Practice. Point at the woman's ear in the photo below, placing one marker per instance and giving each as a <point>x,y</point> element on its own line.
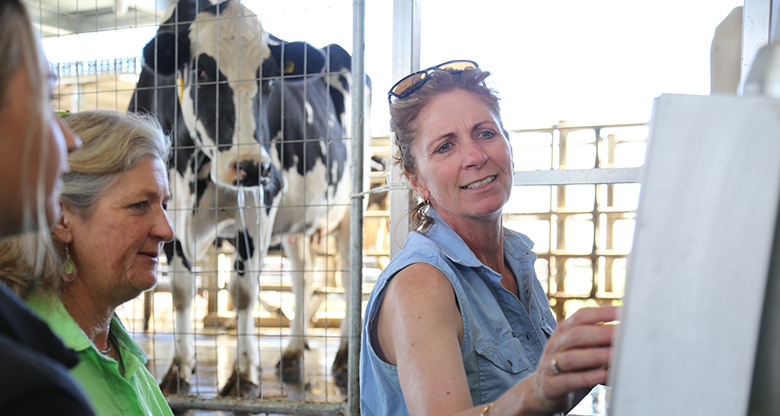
<point>62,231</point>
<point>419,186</point>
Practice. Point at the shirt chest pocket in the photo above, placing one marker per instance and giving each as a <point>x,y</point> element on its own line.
<point>547,328</point>
<point>504,352</point>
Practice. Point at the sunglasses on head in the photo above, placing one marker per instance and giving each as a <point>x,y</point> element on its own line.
<point>413,82</point>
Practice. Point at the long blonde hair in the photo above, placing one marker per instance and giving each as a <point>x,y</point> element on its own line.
<point>113,143</point>
<point>21,52</point>
<point>30,261</point>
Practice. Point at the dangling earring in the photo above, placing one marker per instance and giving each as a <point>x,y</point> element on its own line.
<point>69,267</point>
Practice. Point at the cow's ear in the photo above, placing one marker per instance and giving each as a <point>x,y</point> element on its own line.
<point>338,58</point>
<point>297,58</point>
<point>167,52</point>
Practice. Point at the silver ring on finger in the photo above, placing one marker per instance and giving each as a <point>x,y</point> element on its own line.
<point>554,364</point>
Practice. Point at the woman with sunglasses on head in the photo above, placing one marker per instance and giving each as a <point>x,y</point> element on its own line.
<point>34,144</point>
<point>458,323</point>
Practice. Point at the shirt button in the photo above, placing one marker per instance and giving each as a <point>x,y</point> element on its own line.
<point>513,334</point>
<point>527,337</point>
<point>509,362</point>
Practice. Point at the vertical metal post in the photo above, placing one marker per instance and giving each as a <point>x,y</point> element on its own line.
<point>356,204</point>
<point>406,59</point>
<point>755,31</point>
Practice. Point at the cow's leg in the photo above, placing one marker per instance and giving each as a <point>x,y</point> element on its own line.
<point>147,308</point>
<point>339,367</point>
<point>298,251</point>
<point>243,288</point>
<point>317,265</point>
<point>177,380</point>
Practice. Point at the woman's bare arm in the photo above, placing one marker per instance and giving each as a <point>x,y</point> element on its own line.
<point>419,329</point>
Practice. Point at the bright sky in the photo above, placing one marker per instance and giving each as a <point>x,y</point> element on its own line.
<point>587,62</point>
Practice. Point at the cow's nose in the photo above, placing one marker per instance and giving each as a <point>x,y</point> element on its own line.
<point>247,173</point>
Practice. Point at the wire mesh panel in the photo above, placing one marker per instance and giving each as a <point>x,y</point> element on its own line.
<point>258,195</point>
<point>250,300</point>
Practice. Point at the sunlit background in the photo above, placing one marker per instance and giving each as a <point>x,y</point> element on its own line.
<point>581,66</point>
<point>587,62</point>
<point>555,63</point>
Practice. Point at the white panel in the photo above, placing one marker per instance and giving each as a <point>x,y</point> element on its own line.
<point>697,273</point>
<point>756,17</point>
<point>406,59</point>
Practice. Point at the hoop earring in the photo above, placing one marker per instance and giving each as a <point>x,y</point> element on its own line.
<point>69,267</point>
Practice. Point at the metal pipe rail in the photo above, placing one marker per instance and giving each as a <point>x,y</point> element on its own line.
<point>577,176</point>
<point>180,402</point>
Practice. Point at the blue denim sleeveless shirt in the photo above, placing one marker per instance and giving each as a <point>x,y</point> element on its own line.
<point>502,338</point>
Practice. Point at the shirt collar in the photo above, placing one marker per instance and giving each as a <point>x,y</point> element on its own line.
<point>121,336</point>
<point>453,246</point>
<point>51,309</point>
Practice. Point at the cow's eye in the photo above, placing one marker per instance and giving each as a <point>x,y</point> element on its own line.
<point>200,74</point>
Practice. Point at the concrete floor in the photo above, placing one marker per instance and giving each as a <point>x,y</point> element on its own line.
<point>215,348</point>
<point>215,352</point>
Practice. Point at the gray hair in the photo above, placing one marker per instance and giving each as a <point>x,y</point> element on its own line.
<point>113,143</point>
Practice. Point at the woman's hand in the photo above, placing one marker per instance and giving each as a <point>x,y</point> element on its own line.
<point>576,356</point>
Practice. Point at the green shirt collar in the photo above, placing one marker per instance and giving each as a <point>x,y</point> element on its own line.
<point>131,391</point>
<point>50,308</point>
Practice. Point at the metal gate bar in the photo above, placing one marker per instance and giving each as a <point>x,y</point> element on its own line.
<point>180,402</point>
<point>355,290</point>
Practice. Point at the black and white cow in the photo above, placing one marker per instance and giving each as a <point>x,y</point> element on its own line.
<point>259,158</point>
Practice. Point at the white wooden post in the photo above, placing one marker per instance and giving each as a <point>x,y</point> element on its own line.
<point>406,59</point>
<point>755,31</point>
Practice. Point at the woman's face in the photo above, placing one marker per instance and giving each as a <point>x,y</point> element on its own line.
<point>116,249</point>
<point>464,162</point>
<point>20,162</point>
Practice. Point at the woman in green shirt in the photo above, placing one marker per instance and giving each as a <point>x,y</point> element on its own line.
<point>112,231</point>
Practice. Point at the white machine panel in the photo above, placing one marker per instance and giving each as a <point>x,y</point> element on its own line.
<point>698,269</point>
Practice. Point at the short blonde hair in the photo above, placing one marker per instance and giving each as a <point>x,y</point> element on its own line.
<point>113,143</point>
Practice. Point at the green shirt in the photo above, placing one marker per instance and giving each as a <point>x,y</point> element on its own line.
<point>129,390</point>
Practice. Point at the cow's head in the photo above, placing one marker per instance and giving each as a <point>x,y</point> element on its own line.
<point>339,70</point>
<point>222,58</point>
